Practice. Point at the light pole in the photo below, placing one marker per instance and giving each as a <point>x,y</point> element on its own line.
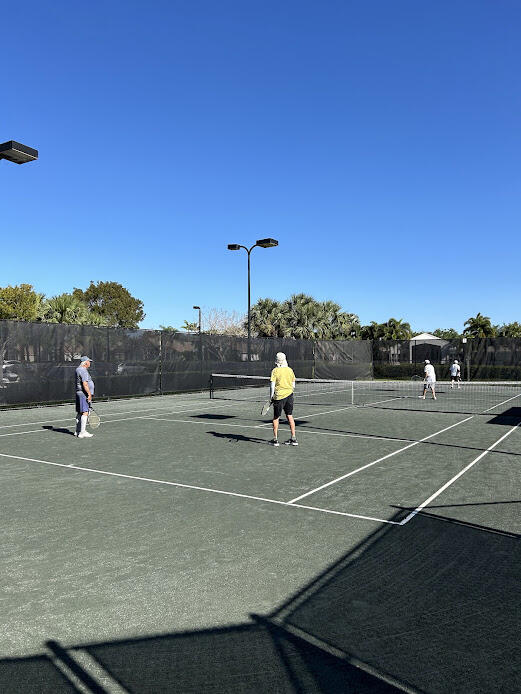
<point>262,243</point>
<point>17,153</point>
<point>199,309</point>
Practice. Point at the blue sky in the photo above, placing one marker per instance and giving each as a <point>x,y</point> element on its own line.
<point>378,141</point>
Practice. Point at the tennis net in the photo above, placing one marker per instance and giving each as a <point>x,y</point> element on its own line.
<point>494,397</point>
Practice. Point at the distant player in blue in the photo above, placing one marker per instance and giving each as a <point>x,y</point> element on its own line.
<point>84,393</point>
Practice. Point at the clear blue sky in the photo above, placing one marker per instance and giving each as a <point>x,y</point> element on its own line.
<point>378,141</point>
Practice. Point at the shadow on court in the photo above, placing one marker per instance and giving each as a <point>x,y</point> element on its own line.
<point>236,438</point>
<point>59,430</point>
<point>245,658</point>
<point>211,415</point>
<point>434,603</point>
<point>432,606</point>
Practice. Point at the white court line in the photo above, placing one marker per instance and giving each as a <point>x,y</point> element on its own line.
<point>202,489</point>
<point>389,455</point>
<point>104,414</point>
<point>259,426</point>
<point>347,407</point>
<point>502,403</point>
<point>109,414</point>
<point>462,472</point>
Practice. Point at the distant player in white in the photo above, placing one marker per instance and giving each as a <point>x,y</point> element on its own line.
<point>430,379</point>
<point>455,374</point>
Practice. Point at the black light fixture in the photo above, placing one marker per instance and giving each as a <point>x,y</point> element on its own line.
<point>267,243</point>
<point>17,153</point>
<point>262,243</point>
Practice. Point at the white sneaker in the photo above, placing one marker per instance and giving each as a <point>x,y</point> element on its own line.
<point>85,435</point>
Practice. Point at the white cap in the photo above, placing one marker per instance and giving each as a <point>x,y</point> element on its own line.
<point>455,361</point>
<point>280,359</point>
<point>427,361</point>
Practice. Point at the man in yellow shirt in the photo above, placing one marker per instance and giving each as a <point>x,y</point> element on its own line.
<point>282,385</point>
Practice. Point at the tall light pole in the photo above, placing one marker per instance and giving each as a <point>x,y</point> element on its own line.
<point>262,243</point>
<point>198,308</point>
<point>17,153</point>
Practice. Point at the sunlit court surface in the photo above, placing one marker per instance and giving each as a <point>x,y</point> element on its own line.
<point>384,543</point>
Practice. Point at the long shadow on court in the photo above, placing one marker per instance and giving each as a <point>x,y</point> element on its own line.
<point>243,659</point>
<point>58,430</point>
<point>434,603</point>
<point>431,606</point>
<point>238,438</point>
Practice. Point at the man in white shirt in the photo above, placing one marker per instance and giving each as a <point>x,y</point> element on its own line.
<point>430,380</point>
<point>455,374</point>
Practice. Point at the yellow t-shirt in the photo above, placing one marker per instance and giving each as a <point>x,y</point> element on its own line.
<point>283,378</point>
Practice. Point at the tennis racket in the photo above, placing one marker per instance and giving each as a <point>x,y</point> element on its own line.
<point>266,407</point>
<point>94,419</point>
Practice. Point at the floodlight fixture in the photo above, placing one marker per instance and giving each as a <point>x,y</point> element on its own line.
<point>17,153</point>
<point>267,243</point>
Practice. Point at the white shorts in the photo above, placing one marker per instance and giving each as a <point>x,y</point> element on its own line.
<point>429,383</point>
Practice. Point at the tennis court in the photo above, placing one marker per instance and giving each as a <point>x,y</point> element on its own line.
<point>178,516</point>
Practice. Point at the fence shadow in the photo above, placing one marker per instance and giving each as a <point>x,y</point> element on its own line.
<point>435,603</point>
<point>431,606</point>
<point>243,659</point>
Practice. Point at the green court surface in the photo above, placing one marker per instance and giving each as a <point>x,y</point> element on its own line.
<point>179,518</point>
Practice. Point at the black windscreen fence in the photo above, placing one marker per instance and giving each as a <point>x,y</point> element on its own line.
<point>480,359</point>
<point>38,360</point>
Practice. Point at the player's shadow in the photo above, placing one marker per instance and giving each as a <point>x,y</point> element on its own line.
<point>212,416</point>
<point>236,438</point>
<point>59,430</point>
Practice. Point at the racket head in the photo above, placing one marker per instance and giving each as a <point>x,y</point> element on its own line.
<point>94,419</point>
<point>266,407</point>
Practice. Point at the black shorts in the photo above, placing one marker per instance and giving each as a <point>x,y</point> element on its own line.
<point>285,404</point>
<point>457,377</point>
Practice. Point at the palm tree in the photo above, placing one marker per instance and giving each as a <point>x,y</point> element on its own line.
<point>397,330</point>
<point>479,326</point>
<point>65,308</point>
<point>509,330</point>
<point>267,318</point>
<point>373,331</point>
<point>190,327</point>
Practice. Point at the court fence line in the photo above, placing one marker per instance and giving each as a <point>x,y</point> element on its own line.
<point>37,360</point>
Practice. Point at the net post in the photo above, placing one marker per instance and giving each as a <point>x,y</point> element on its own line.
<point>352,392</point>
<point>211,386</point>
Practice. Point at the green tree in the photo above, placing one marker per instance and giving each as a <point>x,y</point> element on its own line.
<point>509,330</point>
<point>113,302</point>
<point>393,329</point>
<point>66,308</point>
<point>397,329</point>
<point>168,329</point>
<point>20,302</point>
<point>267,318</point>
<point>373,331</point>
<point>446,333</point>
<point>190,327</point>
<point>479,326</point>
